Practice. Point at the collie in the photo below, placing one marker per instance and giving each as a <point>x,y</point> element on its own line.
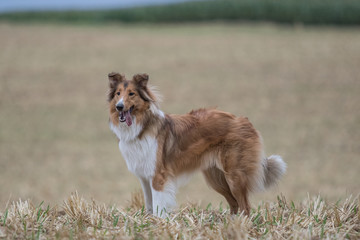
<point>163,149</point>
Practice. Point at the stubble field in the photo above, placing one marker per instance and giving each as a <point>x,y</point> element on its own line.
<point>299,87</point>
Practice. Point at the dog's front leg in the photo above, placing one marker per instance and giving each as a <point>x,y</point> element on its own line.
<point>146,187</point>
<point>164,200</point>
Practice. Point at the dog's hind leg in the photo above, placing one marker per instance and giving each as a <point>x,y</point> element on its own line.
<point>216,179</point>
<point>239,188</point>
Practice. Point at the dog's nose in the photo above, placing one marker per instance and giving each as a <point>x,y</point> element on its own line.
<point>119,107</point>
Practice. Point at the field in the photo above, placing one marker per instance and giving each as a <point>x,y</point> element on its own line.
<point>299,87</point>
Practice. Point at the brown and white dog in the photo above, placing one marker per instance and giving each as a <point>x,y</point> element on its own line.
<point>162,150</point>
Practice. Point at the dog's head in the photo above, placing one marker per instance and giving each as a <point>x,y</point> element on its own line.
<point>128,98</point>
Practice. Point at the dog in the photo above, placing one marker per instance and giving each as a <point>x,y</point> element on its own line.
<point>164,149</point>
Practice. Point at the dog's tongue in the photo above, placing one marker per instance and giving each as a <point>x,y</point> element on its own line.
<point>128,118</point>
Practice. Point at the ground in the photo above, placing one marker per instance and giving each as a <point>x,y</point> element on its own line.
<point>312,218</point>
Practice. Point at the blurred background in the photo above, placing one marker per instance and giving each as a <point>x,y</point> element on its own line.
<point>292,67</point>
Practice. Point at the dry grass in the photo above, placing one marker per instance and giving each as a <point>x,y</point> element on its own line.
<point>299,86</point>
<point>312,218</point>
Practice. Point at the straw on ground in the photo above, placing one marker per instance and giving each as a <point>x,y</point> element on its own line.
<point>80,218</point>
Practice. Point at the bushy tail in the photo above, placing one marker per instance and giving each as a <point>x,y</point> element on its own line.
<point>274,167</point>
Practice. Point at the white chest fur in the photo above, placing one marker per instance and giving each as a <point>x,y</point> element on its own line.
<point>139,154</point>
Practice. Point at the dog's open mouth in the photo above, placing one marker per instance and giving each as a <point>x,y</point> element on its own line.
<point>125,116</point>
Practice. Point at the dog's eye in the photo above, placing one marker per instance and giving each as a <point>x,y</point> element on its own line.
<point>131,94</point>
<point>118,93</point>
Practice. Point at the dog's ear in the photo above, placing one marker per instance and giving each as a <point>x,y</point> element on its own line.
<point>141,79</point>
<point>115,79</point>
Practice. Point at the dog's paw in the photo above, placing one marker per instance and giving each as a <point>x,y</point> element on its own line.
<point>149,211</point>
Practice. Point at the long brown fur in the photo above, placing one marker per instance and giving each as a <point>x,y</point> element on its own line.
<point>188,138</point>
